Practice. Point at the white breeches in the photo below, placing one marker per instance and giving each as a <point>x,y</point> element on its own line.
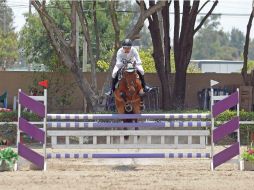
<point>117,67</point>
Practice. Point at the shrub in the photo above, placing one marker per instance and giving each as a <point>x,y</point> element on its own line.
<point>8,156</point>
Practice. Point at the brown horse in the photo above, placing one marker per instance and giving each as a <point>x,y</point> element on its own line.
<point>129,91</point>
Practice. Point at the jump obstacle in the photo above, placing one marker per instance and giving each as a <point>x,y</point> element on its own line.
<point>193,133</point>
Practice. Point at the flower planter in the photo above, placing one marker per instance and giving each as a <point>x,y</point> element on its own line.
<point>248,165</point>
<point>4,167</point>
<point>8,159</point>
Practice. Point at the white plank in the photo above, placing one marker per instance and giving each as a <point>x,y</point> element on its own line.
<point>203,140</point>
<point>67,140</point>
<point>176,140</point>
<point>219,97</point>
<point>189,139</point>
<point>149,139</point>
<point>38,98</point>
<point>128,146</point>
<point>128,132</point>
<point>95,140</point>
<point>108,139</point>
<point>135,141</point>
<point>81,140</point>
<point>121,139</point>
<point>162,139</point>
<point>53,140</point>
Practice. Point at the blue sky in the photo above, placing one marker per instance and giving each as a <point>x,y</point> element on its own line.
<point>225,6</point>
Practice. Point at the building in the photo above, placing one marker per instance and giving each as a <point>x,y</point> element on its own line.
<point>218,66</point>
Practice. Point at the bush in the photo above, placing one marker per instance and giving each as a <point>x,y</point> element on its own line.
<point>244,116</point>
<point>8,116</point>
<point>102,65</point>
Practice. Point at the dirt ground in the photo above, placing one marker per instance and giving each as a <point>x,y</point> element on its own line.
<point>129,174</point>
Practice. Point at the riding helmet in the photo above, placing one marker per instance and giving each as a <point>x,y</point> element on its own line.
<point>127,43</point>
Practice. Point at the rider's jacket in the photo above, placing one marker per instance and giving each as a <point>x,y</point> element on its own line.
<point>123,58</point>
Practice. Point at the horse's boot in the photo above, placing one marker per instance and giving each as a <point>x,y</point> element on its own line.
<point>145,87</point>
<point>113,84</point>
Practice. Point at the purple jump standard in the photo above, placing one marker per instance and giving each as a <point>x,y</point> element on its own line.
<point>226,129</point>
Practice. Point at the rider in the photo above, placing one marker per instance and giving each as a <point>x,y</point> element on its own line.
<point>126,54</point>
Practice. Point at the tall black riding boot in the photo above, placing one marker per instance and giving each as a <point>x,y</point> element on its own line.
<point>113,84</point>
<point>145,87</point>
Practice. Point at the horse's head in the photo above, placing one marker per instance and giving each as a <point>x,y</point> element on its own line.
<point>130,78</point>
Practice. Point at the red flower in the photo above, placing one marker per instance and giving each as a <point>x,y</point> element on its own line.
<point>251,151</point>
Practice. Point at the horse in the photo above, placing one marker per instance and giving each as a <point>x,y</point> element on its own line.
<point>129,91</point>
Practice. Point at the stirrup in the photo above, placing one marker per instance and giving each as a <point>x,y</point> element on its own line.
<point>109,93</point>
<point>147,89</point>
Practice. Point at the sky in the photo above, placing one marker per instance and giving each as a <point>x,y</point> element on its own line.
<point>239,8</point>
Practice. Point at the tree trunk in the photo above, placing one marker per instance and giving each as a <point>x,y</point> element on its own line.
<point>159,59</point>
<point>167,47</point>
<point>96,32</point>
<point>179,90</point>
<point>84,24</point>
<point>113,15</point>
<point>246,49</point>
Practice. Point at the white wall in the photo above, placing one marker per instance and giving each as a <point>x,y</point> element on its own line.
<point>221,67</point>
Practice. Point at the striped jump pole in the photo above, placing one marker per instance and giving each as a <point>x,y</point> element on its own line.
<point>127,155</point>
<point>128,116</point>
<point>66,124</point>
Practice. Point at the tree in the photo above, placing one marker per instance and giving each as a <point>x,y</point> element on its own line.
<point>161,50</point>
<point>8,37</point>
<point>237,40</point>
<point>251,50</point>
<point>183,43</point>
<point>212,43</point>
<point>35,44</point>
<point>246,47</point>
<point>66,50</point>
<point>6,17</point>
<point>8,49</point>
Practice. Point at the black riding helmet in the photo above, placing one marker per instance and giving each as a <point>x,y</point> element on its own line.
<point>127,43</point>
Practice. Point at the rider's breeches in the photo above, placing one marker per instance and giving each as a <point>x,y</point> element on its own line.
<point>117,67</point>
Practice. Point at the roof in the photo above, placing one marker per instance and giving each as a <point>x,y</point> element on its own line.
<point>216,61</point>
